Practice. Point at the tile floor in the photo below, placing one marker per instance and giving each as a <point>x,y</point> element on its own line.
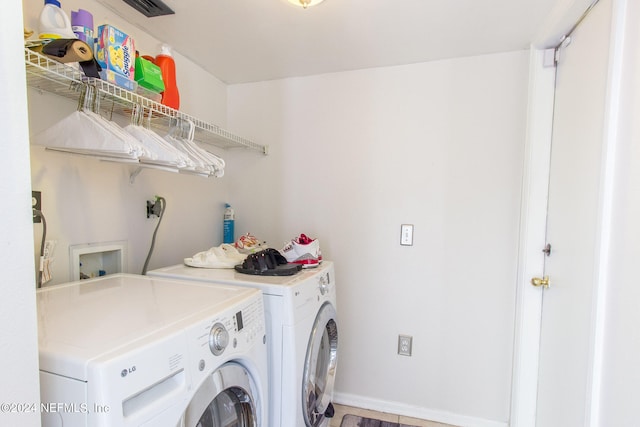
<point>342,410</point>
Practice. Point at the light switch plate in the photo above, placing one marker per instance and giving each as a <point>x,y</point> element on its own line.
<point>406,234</point>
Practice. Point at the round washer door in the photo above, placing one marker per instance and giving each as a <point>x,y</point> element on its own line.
<point>320,367</point>
<point>226,398</point>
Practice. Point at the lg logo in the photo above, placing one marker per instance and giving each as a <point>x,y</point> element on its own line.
<point>128,371</point>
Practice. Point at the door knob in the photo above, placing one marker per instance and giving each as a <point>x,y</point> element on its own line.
<point>544,282</point>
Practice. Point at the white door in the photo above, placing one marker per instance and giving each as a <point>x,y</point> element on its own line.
<point>573,224</point>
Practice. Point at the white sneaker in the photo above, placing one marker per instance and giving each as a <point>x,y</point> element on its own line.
<point>249,244</point>
<point>303,250</point>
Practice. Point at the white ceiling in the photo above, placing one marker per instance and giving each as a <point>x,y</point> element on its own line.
<point>242,41</point>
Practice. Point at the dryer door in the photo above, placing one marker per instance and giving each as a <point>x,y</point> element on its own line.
<point>320,368</point>
<point>226,398</point>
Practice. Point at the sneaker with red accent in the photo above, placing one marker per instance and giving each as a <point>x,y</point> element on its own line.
<point>303,250</point>
<point>248,244</point>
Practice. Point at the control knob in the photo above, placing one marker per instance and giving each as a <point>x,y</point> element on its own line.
<point>218,339</point>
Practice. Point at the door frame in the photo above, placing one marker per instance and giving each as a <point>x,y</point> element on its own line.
<point>533,213</point>
<point>534,210</point>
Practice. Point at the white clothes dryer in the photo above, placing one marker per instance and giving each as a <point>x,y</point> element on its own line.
<point>128,350</point>
<point>302,337</point>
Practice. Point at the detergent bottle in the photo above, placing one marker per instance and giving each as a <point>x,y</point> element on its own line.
<point>54,23</point>
<point>82,25</point>
<point>164,60</point>
<point>228,228</point>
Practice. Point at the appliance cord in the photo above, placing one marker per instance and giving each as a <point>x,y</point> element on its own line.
<point>163,205</point>
<point>37,213</point>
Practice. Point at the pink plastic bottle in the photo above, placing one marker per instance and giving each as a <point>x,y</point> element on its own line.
<point>164,60</point>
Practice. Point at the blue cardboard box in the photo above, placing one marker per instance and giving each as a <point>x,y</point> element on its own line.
<point>115,52</point>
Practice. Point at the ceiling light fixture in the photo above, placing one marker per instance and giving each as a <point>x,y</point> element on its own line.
<point>305,3</point>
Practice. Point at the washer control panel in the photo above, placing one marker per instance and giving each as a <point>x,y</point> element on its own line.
<point>233,331</point>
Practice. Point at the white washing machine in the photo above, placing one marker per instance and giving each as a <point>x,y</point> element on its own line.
<point>302,336</point>
<point>127,350</point>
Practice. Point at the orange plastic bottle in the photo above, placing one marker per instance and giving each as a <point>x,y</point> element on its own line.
<point>164,60</point>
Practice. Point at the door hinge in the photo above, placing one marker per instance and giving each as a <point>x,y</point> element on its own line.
<point>549,58</point>
<point>566,41</point>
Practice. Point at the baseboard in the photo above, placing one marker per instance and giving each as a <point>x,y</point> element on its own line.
<point>414,411</point>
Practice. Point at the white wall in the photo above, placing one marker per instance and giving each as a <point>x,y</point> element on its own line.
<point>353,156</point>
<point>458,125</point>
<point>87,201</point>
<point>18,347</point>
<point>619,394</point>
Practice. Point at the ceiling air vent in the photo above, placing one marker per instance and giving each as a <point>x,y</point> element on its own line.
<point>150,8</point>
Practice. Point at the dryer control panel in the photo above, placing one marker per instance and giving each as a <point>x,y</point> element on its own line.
<point>324,283</point>
<point>233,332</point>
<point>311,293</point>
<point>245,323</point>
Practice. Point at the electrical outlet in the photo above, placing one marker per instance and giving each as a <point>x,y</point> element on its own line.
<point>404,345</point>
<point>149,208</point>
<point>153,208</point>
<point>36,204</point>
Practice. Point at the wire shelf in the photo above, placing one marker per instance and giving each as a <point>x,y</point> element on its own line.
<point>50,76</point>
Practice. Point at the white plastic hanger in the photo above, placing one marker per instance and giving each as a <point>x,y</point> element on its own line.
<point>87,133</point>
